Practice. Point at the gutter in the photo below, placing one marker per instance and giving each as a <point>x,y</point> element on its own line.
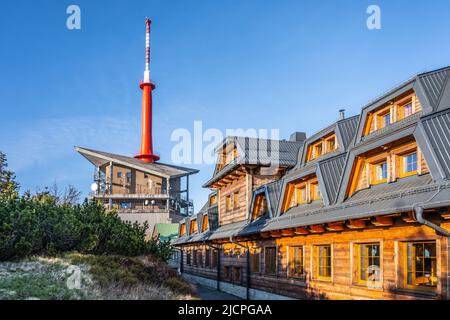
<point>248,266</point>
<point>418,213</point>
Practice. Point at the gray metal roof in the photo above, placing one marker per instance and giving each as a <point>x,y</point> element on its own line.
<point>437,130</point>
<point>255,151</point>
<point>272,192</point>
<point>391,198</point>
<point>330,174</point>
<point>430,128</point>
<point>99,158</point>
<point>433,84</point>
<point>345,131</point>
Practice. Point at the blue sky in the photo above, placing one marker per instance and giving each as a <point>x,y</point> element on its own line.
<point>288,65</point>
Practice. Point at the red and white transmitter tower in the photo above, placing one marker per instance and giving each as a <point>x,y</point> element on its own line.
<point>146,153</point>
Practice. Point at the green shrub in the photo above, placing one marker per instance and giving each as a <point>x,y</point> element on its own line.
<point>39,226</point>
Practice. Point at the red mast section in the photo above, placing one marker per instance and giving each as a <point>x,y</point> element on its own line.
<point>146,153</point>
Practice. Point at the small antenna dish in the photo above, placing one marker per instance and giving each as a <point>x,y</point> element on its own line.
<point>94,187</point>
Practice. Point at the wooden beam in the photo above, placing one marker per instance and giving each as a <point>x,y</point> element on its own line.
<point>317,228</point>
<point>336,226</point>
<point>288,232</point>
<point>275,233</point>
<point>445,213</point>
<point>265,235</point>
<point>382,221</point>
<point>301,231</point>
<point>356,224</point>
<point>409,217</point>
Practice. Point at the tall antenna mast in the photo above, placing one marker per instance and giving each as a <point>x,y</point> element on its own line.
<point>146,153</point>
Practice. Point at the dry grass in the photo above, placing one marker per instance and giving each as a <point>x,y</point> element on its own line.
<point>102,278</point>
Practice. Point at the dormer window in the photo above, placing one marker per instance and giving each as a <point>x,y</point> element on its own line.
<point>331,143</point>
<point>409,164</point>
<point>384,165</point>
<point>317,150</point>
<point>406,110</point>
<point>379,172</point>
<point>193,227</point>
<point>300,192</point>
<point>205,223</point>
<point>396,110</point>
<point>182,229</point>
<point>321,147</point>
<point>260,207</point>
<point>301,195</point>
<point>385,120</point>
<point>315,192</point>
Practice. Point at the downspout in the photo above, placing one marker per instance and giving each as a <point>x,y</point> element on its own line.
<point>419,217</point>
<point>418,210</point>
<point>248,266</point>
<point>218,262</point>
<point>418,213</point>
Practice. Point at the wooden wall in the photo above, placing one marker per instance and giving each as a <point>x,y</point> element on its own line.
<point>342,284</point>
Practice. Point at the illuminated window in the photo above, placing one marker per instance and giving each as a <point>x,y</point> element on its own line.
<point>331,144</point>
<point>421,265</point>
<point>301,195</point>
<point>368,263</point>
<point>295,262</point>
<point>410,163</point>
<point>205,223</point>
<point>182,229</point>
<point>213,200</point>
<point>270,260</point>
<point>317,150</point>
<point>407,109</point>
<point>315,191</point>
<point>386,120</point>
<point>381,172</point>
<point>259,207</point>
<point>193,227</point>
<point>323,262</point>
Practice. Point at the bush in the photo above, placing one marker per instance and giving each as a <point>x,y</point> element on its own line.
<point>40,226</point>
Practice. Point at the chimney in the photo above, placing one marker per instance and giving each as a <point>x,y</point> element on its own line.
<point>297,137</point>
<point>146,153</point>
<point>341,114</point>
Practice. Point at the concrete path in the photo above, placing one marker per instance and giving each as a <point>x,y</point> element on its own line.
<point>206,293</point>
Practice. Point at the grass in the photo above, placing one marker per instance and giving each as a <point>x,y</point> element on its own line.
<point>37,281</point>
<point>102,277</point>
